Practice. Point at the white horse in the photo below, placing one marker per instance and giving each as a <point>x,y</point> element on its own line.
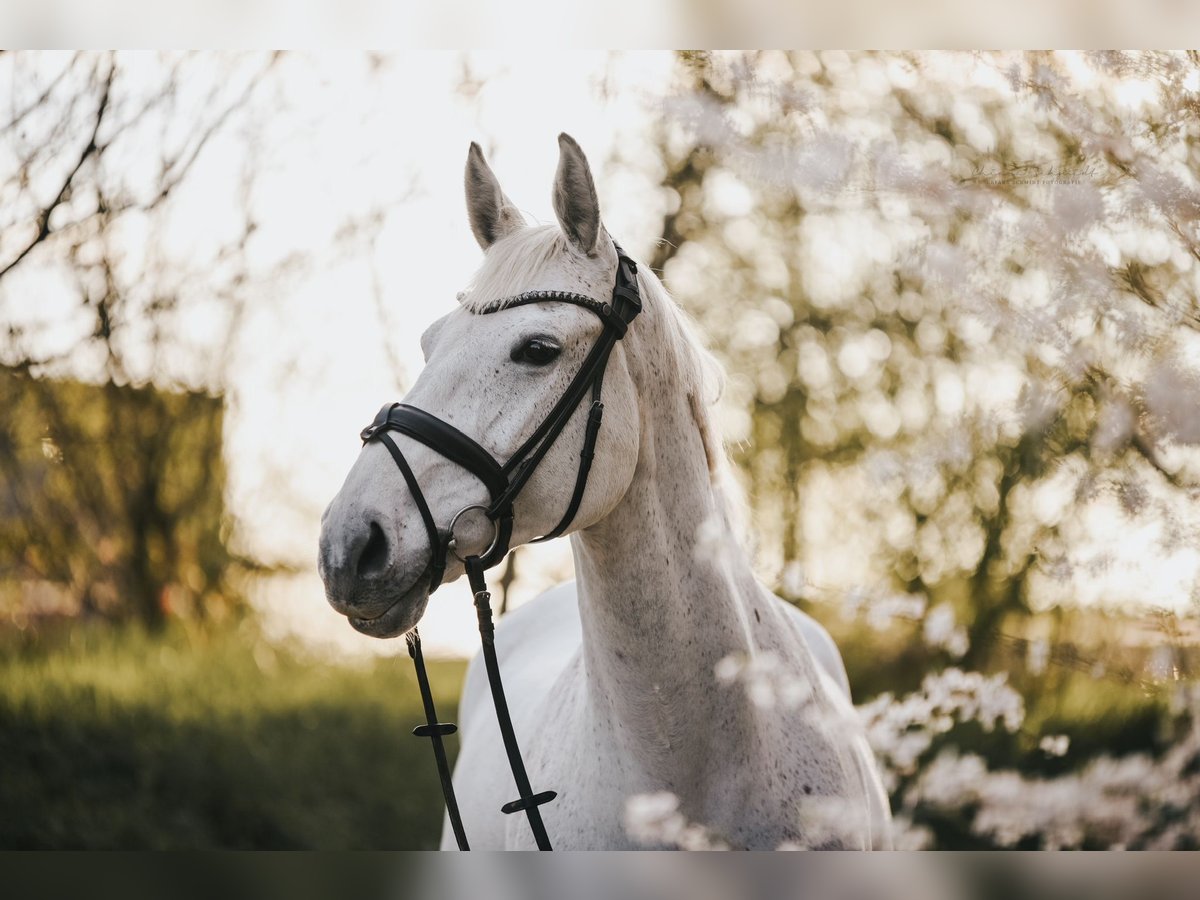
<point>613,679</point>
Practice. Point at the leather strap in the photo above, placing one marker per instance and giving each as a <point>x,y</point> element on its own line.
<point>437,553</point>
<point>595,416</point>
<point>528,801</point>
<point>435,731</point>
<point>522,463</point>
<point>604,310</point>
<point>442,437</point>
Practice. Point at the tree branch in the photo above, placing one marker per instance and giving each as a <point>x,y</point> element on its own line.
<point>93,147</point>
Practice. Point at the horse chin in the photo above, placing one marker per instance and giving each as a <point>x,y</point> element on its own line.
<point>402,616</point>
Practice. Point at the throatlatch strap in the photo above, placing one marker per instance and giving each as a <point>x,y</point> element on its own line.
<point>595,416</point>
<point>536,444</point>
<point>435,731</point>
<point>528,800</point>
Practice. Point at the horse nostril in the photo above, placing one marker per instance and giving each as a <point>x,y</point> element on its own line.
<point>374,557</point>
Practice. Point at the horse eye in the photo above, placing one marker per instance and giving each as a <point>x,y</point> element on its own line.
<point>536,351</point>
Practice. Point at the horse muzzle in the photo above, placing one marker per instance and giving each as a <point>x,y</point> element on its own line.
<point>367,577</point>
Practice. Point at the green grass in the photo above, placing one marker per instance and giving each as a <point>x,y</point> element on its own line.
<point>120,739</point>
<point>115,738</point>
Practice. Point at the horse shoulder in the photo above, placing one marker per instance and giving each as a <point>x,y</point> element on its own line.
<point>825,652</point>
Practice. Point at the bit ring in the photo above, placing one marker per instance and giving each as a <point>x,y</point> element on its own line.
<point>452,546</point>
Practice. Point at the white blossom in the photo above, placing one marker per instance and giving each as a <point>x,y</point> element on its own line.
<point>902,731</point>
<point>1115,425</point>
<point>1130,802</point>
<point>1172,396</point>
<point>1037,655</point>
<point>942,630</point>
<point>793,581</point>
<point>767,681</point>
<point>1055,744</point>
<point>712,541</point>
<point>654,819</point>
<point>881,610</point>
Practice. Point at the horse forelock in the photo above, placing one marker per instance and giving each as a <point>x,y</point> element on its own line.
<point>515,263</point>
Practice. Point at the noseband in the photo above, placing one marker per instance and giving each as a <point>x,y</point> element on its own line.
<point>504,481</point>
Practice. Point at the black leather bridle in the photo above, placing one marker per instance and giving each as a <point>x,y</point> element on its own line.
<point>504,481</point>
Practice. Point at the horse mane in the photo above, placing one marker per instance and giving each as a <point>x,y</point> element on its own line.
<point>527,256</point>
<point>703,378</point>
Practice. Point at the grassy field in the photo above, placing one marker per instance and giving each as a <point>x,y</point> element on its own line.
<point>115,738</point>
<point>119,739</point>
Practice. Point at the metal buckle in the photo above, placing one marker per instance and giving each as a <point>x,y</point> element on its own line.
<point>452,546</point>
<point>379,422</point>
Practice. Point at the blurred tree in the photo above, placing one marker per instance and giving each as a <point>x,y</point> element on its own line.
<point>138,476</point>
<point>116,351</point>
<point>958,294</point>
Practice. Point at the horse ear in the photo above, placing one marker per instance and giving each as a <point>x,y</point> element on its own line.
<point>491,213</point>
<point>575,201</point>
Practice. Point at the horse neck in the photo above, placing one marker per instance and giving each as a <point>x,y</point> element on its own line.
<point>657,614</point>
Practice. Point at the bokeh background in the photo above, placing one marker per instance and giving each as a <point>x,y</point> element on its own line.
<point>955,295</point>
